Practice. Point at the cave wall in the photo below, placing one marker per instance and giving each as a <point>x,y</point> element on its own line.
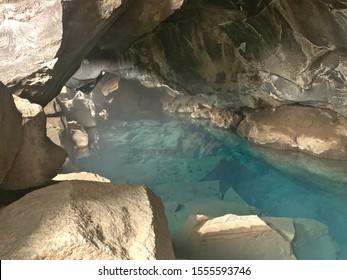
<point>230,55</point>
<point>246,53</point>
<point>253,53</point>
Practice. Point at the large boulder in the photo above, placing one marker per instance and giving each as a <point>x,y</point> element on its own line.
<point>85,220</point>
<point>10,131</point>
<point>38,158</point>
<point>319,132</point>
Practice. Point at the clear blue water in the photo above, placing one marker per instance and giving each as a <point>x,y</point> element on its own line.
<point>279,184</point>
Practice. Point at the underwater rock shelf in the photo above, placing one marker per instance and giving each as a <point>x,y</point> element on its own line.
<point>200,170</point>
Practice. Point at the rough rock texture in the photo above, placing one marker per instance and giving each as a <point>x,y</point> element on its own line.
<point>85,220</point>
<point>11,134</point>
<point>233,237</point>
<point>225,119</point>
<point>253,53</point>
<point>30,37</point>
<point>38,158</point>
<point>191,53</point>
<point>43,43</point>
<point>241,53</point>
<point>202,107</point>
<point>316,131</point>
<point>141,17</point>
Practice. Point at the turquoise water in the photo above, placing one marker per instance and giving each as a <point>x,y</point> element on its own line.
<point>193,167</point>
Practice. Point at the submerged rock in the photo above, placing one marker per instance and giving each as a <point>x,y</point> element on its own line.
<point>313,241</point>
<point>192,191</point>
<point>319,132</point>
<point>252,237</point>
<point>84,221</point>
<point>232,237</point>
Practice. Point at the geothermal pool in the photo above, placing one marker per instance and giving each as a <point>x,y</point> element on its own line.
<point>198,169</point>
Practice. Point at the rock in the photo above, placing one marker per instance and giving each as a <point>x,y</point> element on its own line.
<point>79,138</point>
<point>310,239</point>
<point>226,171</point>
<point>192,144</point>
<point>285,226</point>
<point>131,100</point>
<point>79,135</point>
<point>102,93</point>
<point>202,198</point>
<point>56,130</point>
<point>201,113</point>
<point>225,119</point>
<point>192,191</point>
<point>45,42</point>
<point>31,34</point>
<point>322,133</point>
<point>52,108</point>
<point>140,18</point>
<point>37,68</point>
<point>84,220</point>
<point>232,237</point>
<point>304,166</point>
<point>238,54</point>
<point>10,131</point>
<point>215,207</point>
<point>38,159</point>
<point>313,241</point>
<point>176,217</point>
<point>232,196</point>
<point>206,63</point>
<point>85,176</point>
<point>80,108</point>
<point>202,107</point>
<point>186,104</point>
<point>252,53</point>
<point>27,109</point>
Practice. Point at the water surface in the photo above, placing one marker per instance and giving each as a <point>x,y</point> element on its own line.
<point>194,167</point>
